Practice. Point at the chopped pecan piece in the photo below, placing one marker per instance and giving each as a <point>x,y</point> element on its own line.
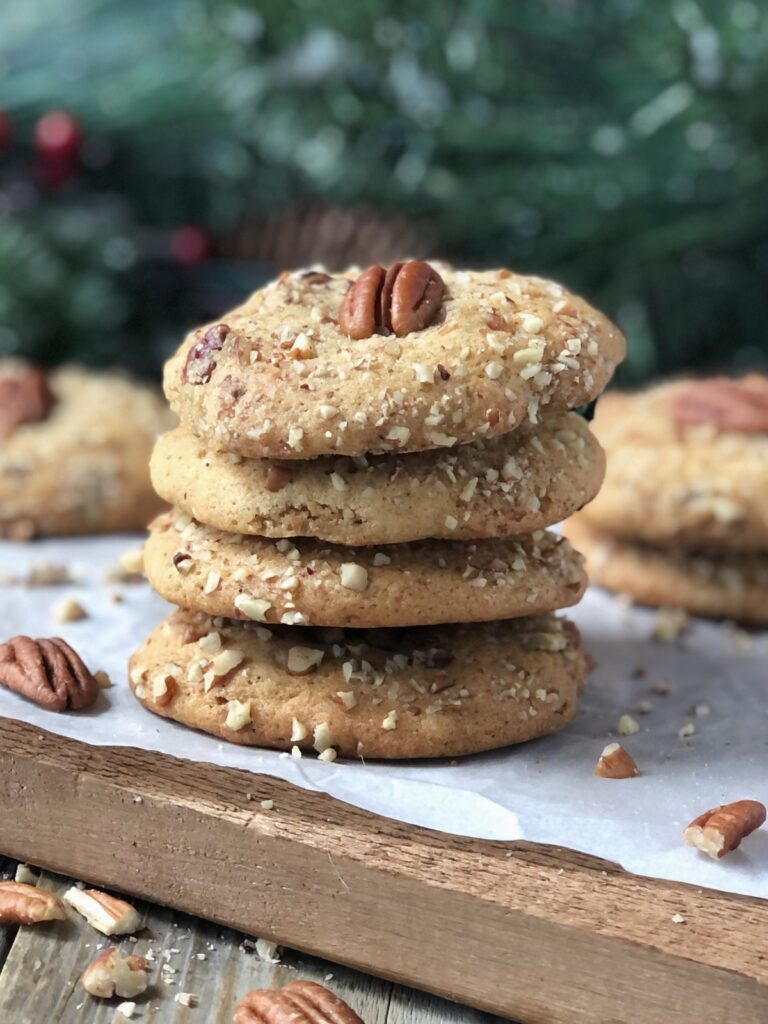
<point>24,398</point>
<point>201,360</point>
<point>25,904</point>
<point>720,830</point>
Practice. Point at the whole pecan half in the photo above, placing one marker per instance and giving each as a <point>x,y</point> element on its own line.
<point>298,1002</point>
<point>201,359</point>
<point>728,405</point>
<point>24,398</point>
<point>47,672</point>
<point>400,300</point>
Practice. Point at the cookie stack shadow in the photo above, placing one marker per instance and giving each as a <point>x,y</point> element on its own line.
<point>361,484</point>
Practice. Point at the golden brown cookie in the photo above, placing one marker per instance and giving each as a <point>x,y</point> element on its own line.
<point>309,582</point>
<point>518,483</point>
<point>74,449</point>
<point>281,377</point>
<point>687,465</point>
<point>718,586</point>
<point>406,693</point>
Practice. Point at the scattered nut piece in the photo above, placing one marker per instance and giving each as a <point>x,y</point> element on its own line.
<point>267,951</point>
<point>297,1001</point>
<point>112,974</point>
<point>25,904</point>
<point>670,625</point>
<point>720,830</point>
<point>26,875</point>
<point>107,914</point>
<point>627,726</point>
<point>686,730</point>
<point>49,574</point>
<point>102,679</point>
<point>616,763</point>
<point>186,999</point>
<point>126,1010</point>
<point>678,919</point>
<point>268,805</point>
<point>69,610</point>
<point>132,562</point>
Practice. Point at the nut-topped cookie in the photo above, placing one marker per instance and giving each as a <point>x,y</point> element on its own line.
<point>401,693</point>
<point>518,483</point>
<point>687,465</point>
<point>74,447</point>
<point>309,582</point>
<point>409,358</point>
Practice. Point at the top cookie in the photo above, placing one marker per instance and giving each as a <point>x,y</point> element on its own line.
<point>687,465</point>
<point>74,448</point>
<point>316,364</point>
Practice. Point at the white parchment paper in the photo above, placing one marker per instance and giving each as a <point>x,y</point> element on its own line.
<point>543,791</point>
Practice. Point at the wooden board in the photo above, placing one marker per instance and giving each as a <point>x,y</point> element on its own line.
<point>539,934</point>
<point>41,977</point>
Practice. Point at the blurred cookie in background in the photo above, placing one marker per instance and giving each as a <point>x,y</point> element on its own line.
<point>682,518</point>
<point>74,451</point>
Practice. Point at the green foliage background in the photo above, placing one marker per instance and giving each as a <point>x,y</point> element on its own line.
<point>620,146</point>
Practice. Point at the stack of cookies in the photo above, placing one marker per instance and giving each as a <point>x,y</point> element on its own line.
<point>682,520</point>
<point>361,482</point>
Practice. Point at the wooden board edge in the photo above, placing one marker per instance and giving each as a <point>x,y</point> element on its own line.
<point>475,922</point>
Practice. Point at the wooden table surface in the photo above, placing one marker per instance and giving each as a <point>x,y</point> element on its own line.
<point>41,967</point>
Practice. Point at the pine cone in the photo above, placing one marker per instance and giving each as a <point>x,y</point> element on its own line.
<point>334,236</point>
<point>47,672</point>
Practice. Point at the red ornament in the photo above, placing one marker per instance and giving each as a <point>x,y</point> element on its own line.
<point>57,135</point>
<point>5,130</point>
<point>57,141</point>
<point>190,244</point>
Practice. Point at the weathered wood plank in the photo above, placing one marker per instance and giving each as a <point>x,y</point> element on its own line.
<point>541,928</point>
<point>41,979</point>
<point>7,870</point>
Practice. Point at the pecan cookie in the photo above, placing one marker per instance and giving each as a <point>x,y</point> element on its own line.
<point>687,465</point>
<point>721,585</point>
<point>415,357</point>
<point>74,451</point>
<point>303,581</point>
<point>524,481</point>
<point>406,693</point>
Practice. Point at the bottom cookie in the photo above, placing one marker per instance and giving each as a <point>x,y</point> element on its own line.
<point>715,586</point>
<point>383,693</point>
